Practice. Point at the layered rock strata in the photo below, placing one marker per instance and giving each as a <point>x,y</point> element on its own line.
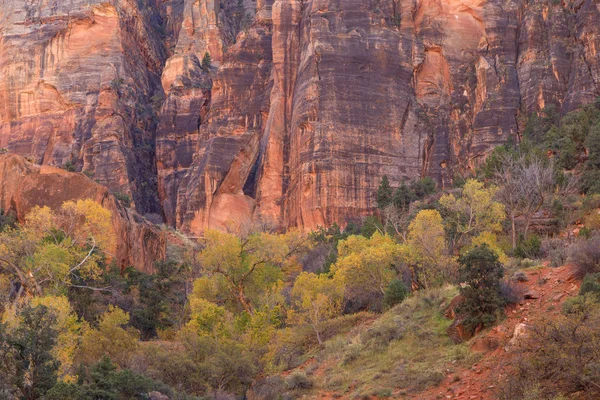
<point>305,106</point>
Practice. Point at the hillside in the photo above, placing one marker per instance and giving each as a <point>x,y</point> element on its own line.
<point>407,354</point>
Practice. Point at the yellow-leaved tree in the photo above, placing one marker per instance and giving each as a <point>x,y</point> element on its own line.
<point>316,299</point>
<point>53,249</point>
<point>425,251</point>
<point>238,271</point>
<point>112,337</point>
<point>366,265</point>
<point>68,328</point>
<point>473,212</point>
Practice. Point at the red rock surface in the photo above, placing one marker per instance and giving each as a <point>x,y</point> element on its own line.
<point>24,185</point>
<point>307,104</point>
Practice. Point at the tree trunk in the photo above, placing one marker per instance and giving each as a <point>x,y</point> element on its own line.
<point>514,231</point>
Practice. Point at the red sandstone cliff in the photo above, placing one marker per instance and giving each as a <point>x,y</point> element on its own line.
<point>306,105</point>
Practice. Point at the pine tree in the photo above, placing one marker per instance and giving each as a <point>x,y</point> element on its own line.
<point>206,61</point>
<point>481,273</point>
<point>384,193</point>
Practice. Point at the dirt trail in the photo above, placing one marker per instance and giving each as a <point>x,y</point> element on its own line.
<point>546,289</point>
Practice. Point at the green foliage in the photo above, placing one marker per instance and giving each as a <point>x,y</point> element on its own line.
<point>111,338</point>
<point>117,83</point>
<point>591,174</point>
<point>425,252</point>
<point>384,193</point>
<point>482,298</point>
<point>529,247</point>
<point>27,367</point>
<point>471,213</point>
<point>104,381</point>
<point>206,61</point>
<point>366,266</point>
<point>123,198</point>
<point>590,284</point>
<point>316,299</point>
<point>69,166</point>
<point>7,219</point>
<point>395,293</point>
<point>52,247</point>
<point>160,298</point>
<point>423,187</point>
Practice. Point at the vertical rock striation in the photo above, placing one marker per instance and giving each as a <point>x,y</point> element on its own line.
<point>306,105</point>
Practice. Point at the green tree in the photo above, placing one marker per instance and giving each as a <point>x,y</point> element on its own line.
<point>395,293</point>
<point>480,271</point>
<point>112,338</point>
<point>26,362</point>
<point>239,271</point>
<point>206,61</point>
<point>423,187</point>
<point>384,193</point>
<point>403,196</point>
<point>104,381</point>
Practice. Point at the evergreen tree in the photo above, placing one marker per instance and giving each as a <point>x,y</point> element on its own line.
<point>482,299</point>
<point>403,197</point>
<point>26,363</point>
<point>384,193</point>
<point>591,175</point>
<point>206,61</point>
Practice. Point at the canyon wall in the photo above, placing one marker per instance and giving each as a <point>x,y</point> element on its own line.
<point>304,106</point>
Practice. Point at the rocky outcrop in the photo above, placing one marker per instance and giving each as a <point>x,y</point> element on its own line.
<point>24,185</point>
<point>306,105</point>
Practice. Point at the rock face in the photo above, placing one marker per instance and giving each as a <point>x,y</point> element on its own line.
<point>306,105</point>
<point>76,87</point>
<point>24,185</point>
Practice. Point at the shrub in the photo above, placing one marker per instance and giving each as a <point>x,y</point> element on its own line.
<point>269,388</point>
<point>206,61</point>
<point>590,284</point>
<point>395,293</point>
<point>69,166</point>
<point>511,293</point>
<point>520,276</point>
<point>352,353</point>
<point>586,256</point>
<point>124,199</point>
<point>560,357</point>
<point>556,250</point>
<point>298,381</point>
<point>528,247</point>
<point>383,332</point>
<point>592,221</point>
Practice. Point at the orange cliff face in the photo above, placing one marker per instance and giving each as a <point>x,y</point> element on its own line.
<point>306,105</point>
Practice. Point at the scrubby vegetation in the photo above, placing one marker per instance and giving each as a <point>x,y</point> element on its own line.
<point>359,310</point>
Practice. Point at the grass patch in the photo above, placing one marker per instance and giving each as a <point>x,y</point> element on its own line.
<point>405,349</point>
